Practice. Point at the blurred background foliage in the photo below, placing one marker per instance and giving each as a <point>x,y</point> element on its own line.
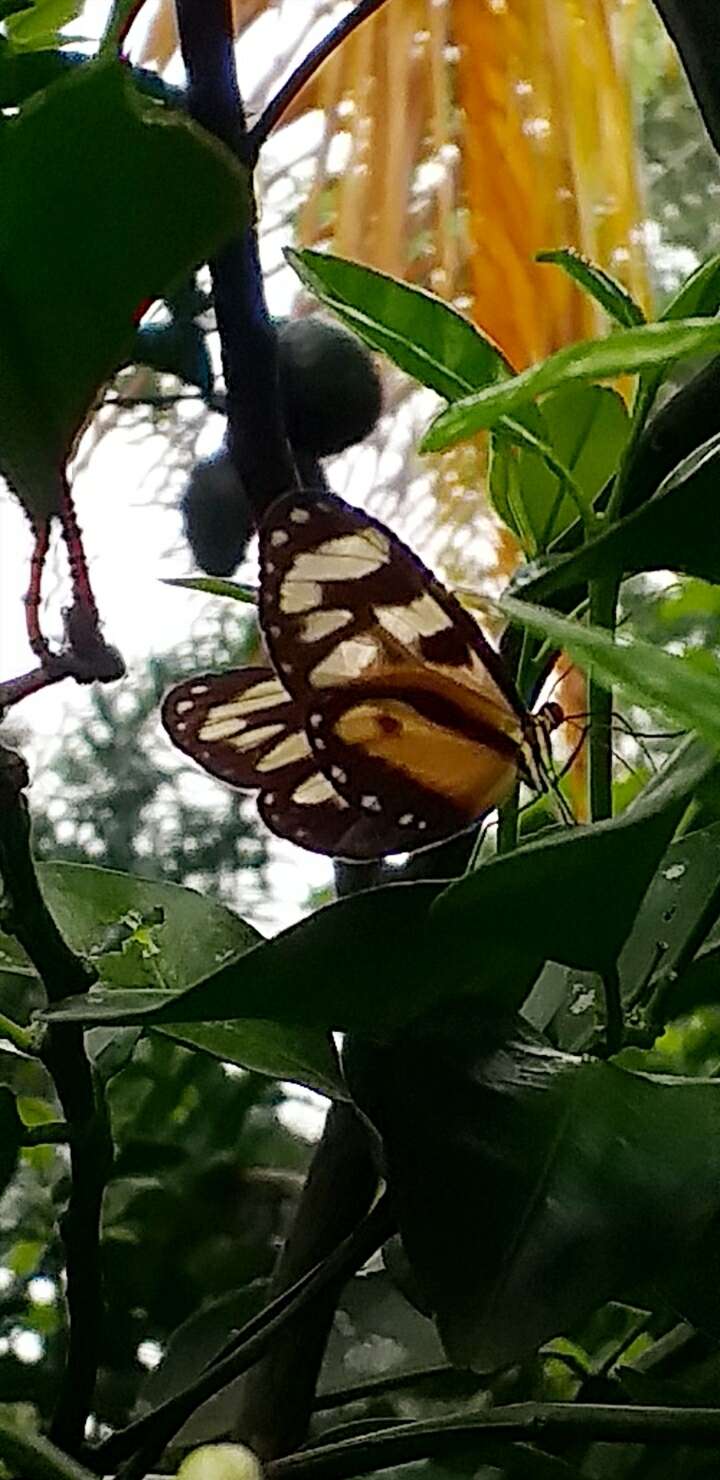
<point>447,143</point>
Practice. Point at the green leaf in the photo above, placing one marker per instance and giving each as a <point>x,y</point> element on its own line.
<point>89,904</point>
<point>121,233</point>
<point>678,529</point>
<point>586,428</point>
<point>531,1186</point>
<point>477,916</point>
<point>215,586</point>
<point>699,294</point>
<point>677,686</point>
<point>37,26</point>
<point>11,1134</point>
<point>378,959</point>
<point>425,337</point>
<point>106,915</point>
<point>301,1055</point>
<point>598,284</point>
<point>626,352</point>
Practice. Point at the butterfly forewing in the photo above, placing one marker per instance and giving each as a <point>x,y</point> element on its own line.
<point>341,598</point>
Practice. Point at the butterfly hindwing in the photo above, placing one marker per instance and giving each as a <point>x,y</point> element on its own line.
<point>243,727</point>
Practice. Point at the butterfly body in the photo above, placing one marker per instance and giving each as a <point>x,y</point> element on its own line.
<point>387,722</point>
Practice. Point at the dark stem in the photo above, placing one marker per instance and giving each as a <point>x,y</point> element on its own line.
<point>614,1024</point>
<point>376,1387</point>
<point>38,643</point>
<point>248,342</point>
<point>278,1397</point>
<point>486,1439</point>
<point>63,974</point>
<point>145,1439</point>
<point>307,68</point>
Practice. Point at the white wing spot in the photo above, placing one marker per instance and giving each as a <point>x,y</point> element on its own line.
<point>200,688</point>
<point>293,748</point>
<point>406,820</point>
<point>371,804</point>
<point>183,705</point>
<point>298,595</point>
<point>313,791</point>
<point>338,774</point>
<point>274,631</point>
<point>180,726</point>
<point>322,623</point>
<point>279,537</point>
<point>299,516</point>
<point>346,660</point>
<point>252,737</point>
<point>269,798</point>
<point>269,568</point>
<point>315,720</point>
<point>221,728</point>
<point>422,825</point>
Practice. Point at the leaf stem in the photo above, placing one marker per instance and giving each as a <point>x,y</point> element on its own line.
<point>21,1038</point>
<point>614,1023</point>
<point>248,341</point>
<point>63,1054</point>
<point>29,1454</point>
<point>306,70</point>
<point>145,1439</point>
<point>559,1424</point>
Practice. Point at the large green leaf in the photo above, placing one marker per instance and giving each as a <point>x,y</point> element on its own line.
<point>587,427</point>
<point>427,338</point>
<point>141,930</point>
<point>136,930</point>
<point>105,201</point>
<point>377,959</point>
<point>678,529</point>
<point>301,1055</point>
<point>625,352</point>
<point>531,1186</point>
<point>599,285</point>
<point>685,690</point>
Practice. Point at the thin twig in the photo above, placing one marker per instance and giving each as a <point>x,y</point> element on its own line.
<point>63,1053</point>
<point>26,1453</point>
<point>376,1387</point>
<point>307,69</point>
<point>145,1439</point>
<point>614,1024</point>
<point>556,1423</point>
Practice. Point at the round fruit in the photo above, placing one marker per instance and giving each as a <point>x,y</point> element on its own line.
<point>220,1462</point>
<point>216,515</point>
<point>331,391</point>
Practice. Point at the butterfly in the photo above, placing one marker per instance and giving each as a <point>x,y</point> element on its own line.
<point>387,722</point>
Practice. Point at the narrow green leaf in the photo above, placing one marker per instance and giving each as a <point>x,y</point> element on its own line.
<point>598,284</point>
<point>626,352</point>
<point>675,685</point>
<point>38,25</point>
<point>678,529</point>
<point>698,295</point>
<point>215,586</point>
<point>425,337</point>
<point>585,428</point>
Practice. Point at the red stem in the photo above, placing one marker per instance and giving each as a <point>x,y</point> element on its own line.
<point>38,642</point>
